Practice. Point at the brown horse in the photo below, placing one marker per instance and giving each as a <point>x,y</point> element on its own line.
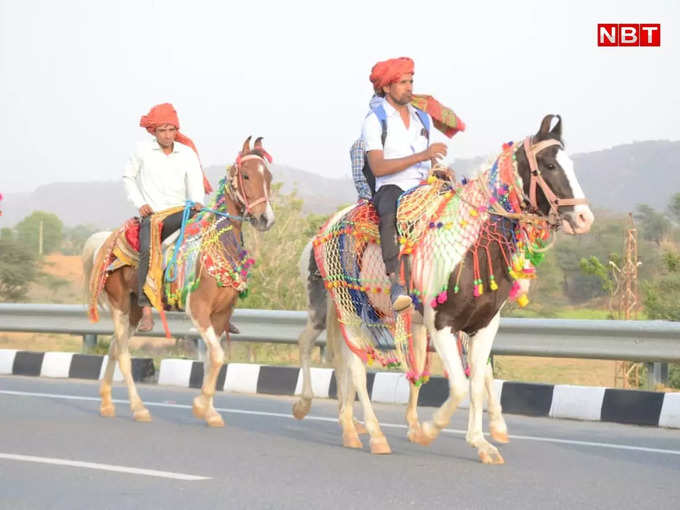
<point>245,196</point>
<point>541,179</point>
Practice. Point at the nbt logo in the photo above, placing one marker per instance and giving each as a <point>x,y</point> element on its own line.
<point>629,34</point>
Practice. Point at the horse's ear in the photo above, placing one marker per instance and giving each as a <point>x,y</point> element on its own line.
<point>544,130</point>
<point>556,131</point>
<point>258,143</point>
<point>246,146</point>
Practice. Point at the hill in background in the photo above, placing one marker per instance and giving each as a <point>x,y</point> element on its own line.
<point>615,179</point>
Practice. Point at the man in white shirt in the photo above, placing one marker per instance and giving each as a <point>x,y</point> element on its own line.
<point>398,163</point>
<point>161,174</point>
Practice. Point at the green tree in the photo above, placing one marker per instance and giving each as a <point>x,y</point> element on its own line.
<point>6,234</point>
<point>18,268</point>
<point>593,266</point>
<point>674,208</point>
<point>661,296</point>
<point>274,281</point>
<point>654,226</point>
<point>74,238</point>
<point>28,231</point>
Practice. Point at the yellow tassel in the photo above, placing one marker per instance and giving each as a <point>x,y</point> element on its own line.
<point>480,288</point>
<point>523,301</point>
<point>493,285</point>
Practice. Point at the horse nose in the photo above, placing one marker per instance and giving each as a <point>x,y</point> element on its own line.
<point>583,220</point>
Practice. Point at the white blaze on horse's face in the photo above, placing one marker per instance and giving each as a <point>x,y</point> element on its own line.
<point>581,218</point>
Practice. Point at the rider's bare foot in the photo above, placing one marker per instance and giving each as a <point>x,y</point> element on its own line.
<point>233,329</point>
<point>146,324</point>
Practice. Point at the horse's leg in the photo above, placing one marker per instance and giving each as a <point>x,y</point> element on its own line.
<point>379,444</point>
<point>211,328</point>
<point>341,357</point>
<point>316,323</point>
<point>122,329</point>
<point>445,343</point>
<point>497,426</point>
<point>107,408</point>
<point>480,348</point>
<point>420,352</point>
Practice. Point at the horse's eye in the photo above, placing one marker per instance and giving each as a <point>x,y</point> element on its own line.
<point>551,166</point>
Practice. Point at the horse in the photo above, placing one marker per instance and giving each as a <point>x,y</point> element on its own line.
<point>244,194</point>
<point>512,207</point>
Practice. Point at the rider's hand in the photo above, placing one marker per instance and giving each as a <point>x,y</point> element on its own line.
<point>198,206</point>
<point>436,151</point>
<point>445,174</point>
<point>145,210</point>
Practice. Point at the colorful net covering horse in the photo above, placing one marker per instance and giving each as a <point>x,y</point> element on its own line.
<point>208,236</point>
<point>438,224</point>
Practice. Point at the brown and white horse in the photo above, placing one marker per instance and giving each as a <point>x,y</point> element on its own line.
<point>548,188</point>
<point>209,306</point>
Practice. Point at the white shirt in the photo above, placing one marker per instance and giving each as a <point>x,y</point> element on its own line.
<point>400,142</point>
<point>163,180</point>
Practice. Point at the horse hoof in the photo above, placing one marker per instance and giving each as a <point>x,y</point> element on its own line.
<point>142,416</point>
<point>423,435</point>
<point>491,458</point>
<point>360,428</point>
<point>107,411</point>
<point>500,437</point>
<point>351,441</point>
<point>379,446</point>
<point>215,420</point>
<point>301,408</point>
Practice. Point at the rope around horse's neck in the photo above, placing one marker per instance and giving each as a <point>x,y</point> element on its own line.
<point>171,270</point>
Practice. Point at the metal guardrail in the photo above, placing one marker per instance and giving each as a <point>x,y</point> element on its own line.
<point>651,341</point>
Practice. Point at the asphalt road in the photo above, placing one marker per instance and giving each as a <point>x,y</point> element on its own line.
<point>57,452</point>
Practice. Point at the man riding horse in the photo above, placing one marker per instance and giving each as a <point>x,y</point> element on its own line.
<point>396,141</point>
<point>161,175</point>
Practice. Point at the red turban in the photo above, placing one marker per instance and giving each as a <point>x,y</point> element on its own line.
<point>390,71</point>
<point>165,114</point>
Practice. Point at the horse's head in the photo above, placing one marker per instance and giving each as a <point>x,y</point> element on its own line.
<point>251,181</point>
<point>549,182</point>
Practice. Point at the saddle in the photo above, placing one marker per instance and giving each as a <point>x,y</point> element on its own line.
<point>173,269</point>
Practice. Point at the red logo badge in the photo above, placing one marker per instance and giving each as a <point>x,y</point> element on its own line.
<point>629,34</point>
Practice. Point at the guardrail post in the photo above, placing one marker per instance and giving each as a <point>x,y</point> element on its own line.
<point>322,354</point>
<point>657,374</point>
<point>89,342</point>
<point>201,349</point>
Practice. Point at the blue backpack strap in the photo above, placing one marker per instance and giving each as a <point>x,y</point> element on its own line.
<point>382,118</point>
<point>425,120</point>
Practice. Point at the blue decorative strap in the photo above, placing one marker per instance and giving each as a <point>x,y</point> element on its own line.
<point>171,270</point>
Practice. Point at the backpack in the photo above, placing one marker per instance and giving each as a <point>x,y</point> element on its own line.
<point>382,117</point>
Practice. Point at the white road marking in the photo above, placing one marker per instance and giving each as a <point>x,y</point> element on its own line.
<point>335,420</point>
<point>102,467</point>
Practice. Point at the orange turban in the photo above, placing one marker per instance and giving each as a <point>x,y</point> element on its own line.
<point>389,71</point>
<point>165,114</point>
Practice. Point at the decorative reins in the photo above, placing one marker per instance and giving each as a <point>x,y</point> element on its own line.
<point>237,187</point>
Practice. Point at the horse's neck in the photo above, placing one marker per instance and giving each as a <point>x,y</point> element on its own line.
<point>233,208</point>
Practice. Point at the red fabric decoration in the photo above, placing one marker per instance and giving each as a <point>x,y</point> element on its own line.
<point>390,71</point>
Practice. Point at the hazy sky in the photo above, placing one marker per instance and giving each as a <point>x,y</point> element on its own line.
<point>75,76</point>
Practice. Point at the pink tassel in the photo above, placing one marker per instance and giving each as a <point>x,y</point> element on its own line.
<point>442,297</point>
<point>475,291</point>
<point>433,303</point>
<point>514,291</point>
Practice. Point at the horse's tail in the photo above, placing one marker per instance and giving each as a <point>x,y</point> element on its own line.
<point>316,323</point>
<point>91,250</point>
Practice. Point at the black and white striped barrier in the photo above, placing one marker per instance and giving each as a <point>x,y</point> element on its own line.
<point>68,365</point>
<point>555,401</point>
